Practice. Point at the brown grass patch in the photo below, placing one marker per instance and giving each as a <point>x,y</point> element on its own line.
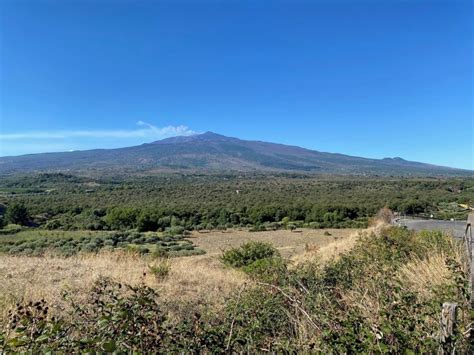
<point>191,280</point>
<point>195,279</point>
<point>288,243</point>
<point>422,276</point>
<point>338,244</point>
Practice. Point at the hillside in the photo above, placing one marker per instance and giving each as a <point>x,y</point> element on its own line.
<point>213,152</point>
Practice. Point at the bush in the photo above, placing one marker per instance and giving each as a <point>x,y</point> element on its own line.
<point>17,214</point>
<point>53,224</point>
<point>247,253</point>
<point>159,252</point>
<point>175,230</point>
<point>160,269</point>
<point>261,318</point>
<point>258,228</point>
<point>271,270</point>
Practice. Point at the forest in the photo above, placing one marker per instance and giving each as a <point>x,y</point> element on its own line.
<point>211,201</point>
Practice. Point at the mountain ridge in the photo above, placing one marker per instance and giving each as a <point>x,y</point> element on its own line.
<point>211,151</point>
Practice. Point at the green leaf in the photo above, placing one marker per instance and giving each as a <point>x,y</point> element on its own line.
<point>109,346</point>
<point>17,342</point>
<point>102,322</point>
<point>42,338</point>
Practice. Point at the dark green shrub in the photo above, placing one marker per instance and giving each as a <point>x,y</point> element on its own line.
<point>257,228</point>
<point>175,230</point>
<point>270,270</point>
<point>17,214</point>
<point>247,253</point>
<point>260,317</point>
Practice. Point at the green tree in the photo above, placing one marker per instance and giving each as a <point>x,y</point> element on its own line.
<point>122,218</point>
<point>17,214</point>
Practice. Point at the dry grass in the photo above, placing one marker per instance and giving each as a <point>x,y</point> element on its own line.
<point>339,244</point>
<point>366,296</point>
<point>288,243</point>
<point>192,280</point>
<point>422,276</point>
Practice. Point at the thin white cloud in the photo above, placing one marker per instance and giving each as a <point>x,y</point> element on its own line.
<point>147,131</point>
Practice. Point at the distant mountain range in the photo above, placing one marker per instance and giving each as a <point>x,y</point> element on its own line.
<point>211,152</point>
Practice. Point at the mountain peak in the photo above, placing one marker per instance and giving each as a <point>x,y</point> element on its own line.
<point>395,159</point>
<point>199,137</point>
<point>210,134</point>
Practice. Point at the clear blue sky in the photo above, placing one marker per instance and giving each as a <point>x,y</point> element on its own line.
<point>368,78</point>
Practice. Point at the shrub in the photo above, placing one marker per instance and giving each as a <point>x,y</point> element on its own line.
<point>247,253</point>
<point>17,214</point>
<point>175,230</point>
<point>159,252</point>
<point>260,318</point>
<point>271,270</point>
<point>114,318</point>
<point>258,228</point>
<point>314,225</point>
<point>109,242</point>
<point>160,269</point>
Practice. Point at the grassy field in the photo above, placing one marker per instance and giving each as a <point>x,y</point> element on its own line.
<point>287,242</point>
<point>193,278</point>
<point>375,290</point>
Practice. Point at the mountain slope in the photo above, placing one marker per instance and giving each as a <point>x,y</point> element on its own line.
<point>213,152</point>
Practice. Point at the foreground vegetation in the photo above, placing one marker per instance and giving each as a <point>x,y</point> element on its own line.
<point>261,202</point>
<point>383,295</point>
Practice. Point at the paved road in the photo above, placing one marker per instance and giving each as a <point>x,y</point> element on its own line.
<point>457,228</point>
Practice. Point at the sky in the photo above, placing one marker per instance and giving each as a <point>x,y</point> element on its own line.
<point>366,78</point>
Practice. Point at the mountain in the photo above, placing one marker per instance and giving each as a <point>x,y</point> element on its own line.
<point>214,152</point>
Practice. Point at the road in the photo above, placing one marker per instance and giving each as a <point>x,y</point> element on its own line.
<point>457,228</point>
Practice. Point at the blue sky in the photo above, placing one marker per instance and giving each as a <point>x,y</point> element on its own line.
<point>367,78</point>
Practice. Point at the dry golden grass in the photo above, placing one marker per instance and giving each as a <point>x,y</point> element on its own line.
<point>192,280</point>
<point>420,276</point>
<point>199,279</point>
<point>423,275</point>
<point>287,242</point>
<point>339,244</point>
